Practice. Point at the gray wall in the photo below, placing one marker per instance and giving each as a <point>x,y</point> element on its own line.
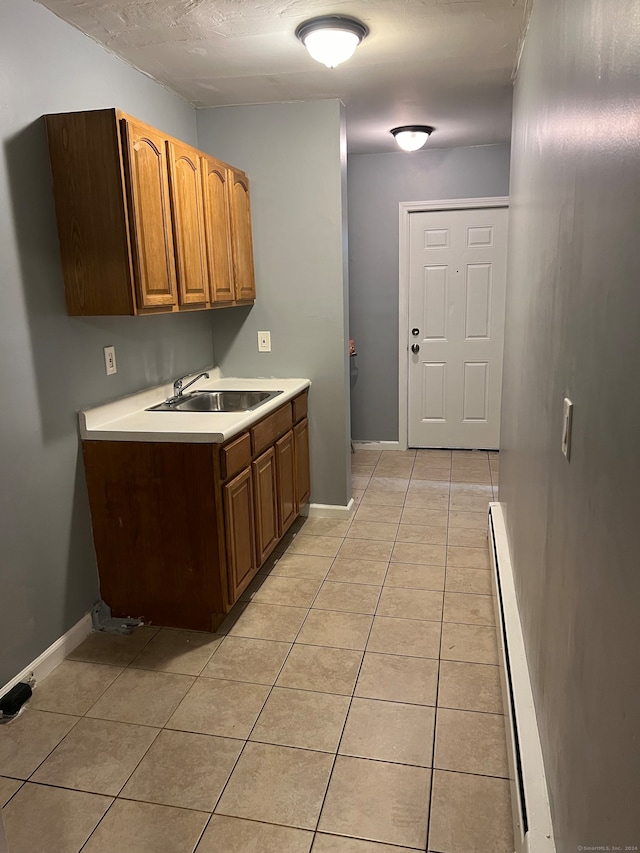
<point>52,364</point>
<point>292,153</point>
<point>377,184</point>
<point>573,315</point>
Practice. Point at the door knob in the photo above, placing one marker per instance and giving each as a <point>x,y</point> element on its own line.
<point>415,332</point>
<point>415,348</point>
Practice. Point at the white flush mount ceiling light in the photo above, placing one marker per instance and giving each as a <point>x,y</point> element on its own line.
<point>331,39</point>
<point>410,137</point>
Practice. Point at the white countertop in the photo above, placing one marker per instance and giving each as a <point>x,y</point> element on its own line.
<point>127,420</point>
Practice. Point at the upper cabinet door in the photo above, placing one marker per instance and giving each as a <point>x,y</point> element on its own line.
<point>215,183</point>
<point>150,216</point>
<point>245,286</point>
<point>188,223</point>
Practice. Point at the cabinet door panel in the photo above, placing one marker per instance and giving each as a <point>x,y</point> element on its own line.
<point>150,216</point>
<point>188,224</point>
<point>240,534</point>
<point>215,183</point>
<point>241,239</point>
<point>286,469</point>
<point>301,444</point>
<point>266,504</point>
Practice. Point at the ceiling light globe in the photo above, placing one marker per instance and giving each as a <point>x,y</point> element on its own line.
<point>331,39</point>
<point>331,47</point>
<point>412,137</point>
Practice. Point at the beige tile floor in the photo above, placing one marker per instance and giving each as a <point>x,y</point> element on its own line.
<point>350,705</point>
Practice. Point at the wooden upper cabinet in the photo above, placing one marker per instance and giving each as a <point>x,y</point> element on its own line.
<point>241,239</point>
<point>215,191</point>
<point>150,216</point>
<point>146,223</point>
<point>188,223</point>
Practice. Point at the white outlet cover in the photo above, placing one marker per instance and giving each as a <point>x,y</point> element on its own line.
<point>264,341</point>
<point>567,420</point>
<point>110,365</point>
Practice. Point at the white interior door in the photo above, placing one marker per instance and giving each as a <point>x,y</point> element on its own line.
<point>457,282</point>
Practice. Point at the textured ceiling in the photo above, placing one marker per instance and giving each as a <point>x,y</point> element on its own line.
<point>447,63</point>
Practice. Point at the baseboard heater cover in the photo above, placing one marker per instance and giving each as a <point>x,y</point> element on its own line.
<point>532,826</point>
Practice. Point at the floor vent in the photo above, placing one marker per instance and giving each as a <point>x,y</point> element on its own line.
<point>532,827</point>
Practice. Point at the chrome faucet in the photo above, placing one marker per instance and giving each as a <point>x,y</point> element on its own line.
<point>179,388</point>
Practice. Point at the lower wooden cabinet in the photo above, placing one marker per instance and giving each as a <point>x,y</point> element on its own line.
<point>286,469</point>
<point>240,532</point>
<point>265,494</point>
<point>181,529</point>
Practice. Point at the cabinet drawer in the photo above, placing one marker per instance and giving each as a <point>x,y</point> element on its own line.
<point>299,405</point>
<point>267,431</point>
<point>235,456</point>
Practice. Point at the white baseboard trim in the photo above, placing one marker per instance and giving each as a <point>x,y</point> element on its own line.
<point>532,826</point>
<point>376,445</point>
<point>55,654</point>
<point>329,510</point>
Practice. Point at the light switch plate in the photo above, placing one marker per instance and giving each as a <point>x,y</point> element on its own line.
<point>567,420</point>
<point>110,360</point>
<point>264,341</point>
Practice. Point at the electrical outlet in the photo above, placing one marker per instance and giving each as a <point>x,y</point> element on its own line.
<point>567,419</point>
<point>264,341</point>
<point>110,360</point>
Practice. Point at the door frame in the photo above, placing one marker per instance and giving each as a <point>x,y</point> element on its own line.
<point>406,208</point>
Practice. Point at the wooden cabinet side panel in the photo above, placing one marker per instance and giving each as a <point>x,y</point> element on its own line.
<point>188,224</point>
<point>301,443</point>
<point>241,237</point>
<point>150,215</point>
<point>215,185</point>
<point>286,470</point>
<point>240,530</point>
<point>265,490</point>
<point>153,513</point>
<point>90,203</point>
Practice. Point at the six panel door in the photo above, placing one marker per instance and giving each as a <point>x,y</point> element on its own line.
<point>150,216</point>
<point>188,224</point>
<point>457,282</point>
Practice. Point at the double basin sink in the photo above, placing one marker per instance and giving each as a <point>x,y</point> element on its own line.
<point>215,401</point>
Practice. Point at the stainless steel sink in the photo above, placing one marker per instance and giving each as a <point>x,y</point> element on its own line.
<point>216,401</point>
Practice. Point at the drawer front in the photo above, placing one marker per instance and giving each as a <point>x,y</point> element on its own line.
<point>267,431</point>
<point>299,405</point>
<point>235,456</point>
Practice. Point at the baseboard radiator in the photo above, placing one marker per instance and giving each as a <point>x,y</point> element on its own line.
<point>532,827</point>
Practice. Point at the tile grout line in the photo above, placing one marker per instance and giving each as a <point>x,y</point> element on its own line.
<point>437,696</point>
